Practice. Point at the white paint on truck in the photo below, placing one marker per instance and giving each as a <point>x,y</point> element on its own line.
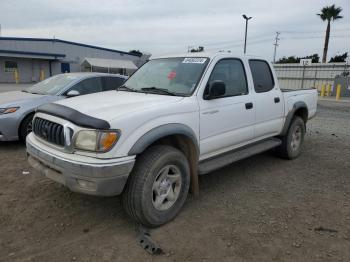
<point>247,108</point>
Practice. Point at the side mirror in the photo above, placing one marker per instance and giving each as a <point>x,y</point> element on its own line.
<point>216,89</point>
<point>73,93</point>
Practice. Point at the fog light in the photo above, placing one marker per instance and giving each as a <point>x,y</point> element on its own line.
<point>88,185</point>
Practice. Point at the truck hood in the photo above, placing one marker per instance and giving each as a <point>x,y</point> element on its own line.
<point>16,98</point>
<point>112,104</point>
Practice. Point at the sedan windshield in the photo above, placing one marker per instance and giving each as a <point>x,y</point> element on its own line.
<point>53,85</point>
<point>168,76</point>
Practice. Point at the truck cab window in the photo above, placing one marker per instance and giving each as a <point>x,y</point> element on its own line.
<point>231,72</point>
<point>262,76</point>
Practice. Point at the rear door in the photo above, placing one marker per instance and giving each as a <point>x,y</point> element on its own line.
<point>268,100</point>
<point>226,122</point>
<point>65,68</point>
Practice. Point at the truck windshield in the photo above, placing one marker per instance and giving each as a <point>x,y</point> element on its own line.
<point>52,85</point>
<point>168,76</point>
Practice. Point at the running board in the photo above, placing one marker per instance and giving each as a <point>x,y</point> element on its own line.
<point>207,166</point>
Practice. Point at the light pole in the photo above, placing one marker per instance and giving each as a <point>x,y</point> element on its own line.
<point>246,29</point>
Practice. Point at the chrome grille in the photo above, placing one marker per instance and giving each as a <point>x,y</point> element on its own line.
<point>49,131</point>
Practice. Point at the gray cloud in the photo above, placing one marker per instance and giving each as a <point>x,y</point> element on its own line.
<point>162,26</point>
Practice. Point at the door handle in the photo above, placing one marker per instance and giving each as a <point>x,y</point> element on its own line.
<point>249,105</point>
<point>277,99</point>
<point>210,112</point>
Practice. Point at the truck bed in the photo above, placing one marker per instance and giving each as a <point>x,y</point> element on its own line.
<point>307,96</point>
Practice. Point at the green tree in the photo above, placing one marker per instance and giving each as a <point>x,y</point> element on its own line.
<point>288,60</point>
<point>293,59</point>
<point>339,58</point>
<point>329,13</point>
<point>314,58</point>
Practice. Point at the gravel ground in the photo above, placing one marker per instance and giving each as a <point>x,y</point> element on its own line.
<point>260,209</point>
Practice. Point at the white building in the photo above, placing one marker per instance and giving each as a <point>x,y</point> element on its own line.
<point>35,57</point>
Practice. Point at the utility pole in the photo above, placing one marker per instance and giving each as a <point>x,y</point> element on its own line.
<point>246,30</point>
<point>0,30</point>
<point>275,44</point>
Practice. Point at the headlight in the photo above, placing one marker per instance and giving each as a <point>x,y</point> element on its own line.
<point>97,141</point>
<point>8,110</point>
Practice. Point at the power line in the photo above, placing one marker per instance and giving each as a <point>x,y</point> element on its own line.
<point>275,44</point>
<point>314,32</point>
<point>239,44</point>
<point>312,37</point>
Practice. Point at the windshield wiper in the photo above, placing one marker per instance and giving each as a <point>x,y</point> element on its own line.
<point>126,88</point>
<point>159,90</point>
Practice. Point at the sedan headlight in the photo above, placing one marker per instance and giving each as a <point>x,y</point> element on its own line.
<point>8,110</point>
<point>96,141</point>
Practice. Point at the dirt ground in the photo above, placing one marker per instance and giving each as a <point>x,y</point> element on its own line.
<point>260,209</point>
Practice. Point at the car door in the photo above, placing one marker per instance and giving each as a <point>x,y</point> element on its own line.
<point>226,122</point>
<point>268,101</point>
<point>88,86</point>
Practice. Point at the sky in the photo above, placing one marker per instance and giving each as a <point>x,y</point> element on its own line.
<point>162,27</point>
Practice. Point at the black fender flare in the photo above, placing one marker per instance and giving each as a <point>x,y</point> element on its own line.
<point>290,115</point>
<point>162,131</point>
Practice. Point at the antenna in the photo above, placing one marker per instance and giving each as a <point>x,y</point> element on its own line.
<point>275,44</point>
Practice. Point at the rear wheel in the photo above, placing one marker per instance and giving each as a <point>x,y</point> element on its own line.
<point>158,186</point>
<point>26,127</point>
<point>293,140</point>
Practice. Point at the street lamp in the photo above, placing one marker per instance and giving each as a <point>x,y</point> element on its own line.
<point>246,29</point>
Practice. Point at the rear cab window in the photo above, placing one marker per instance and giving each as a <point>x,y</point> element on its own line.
<point>262,75</point>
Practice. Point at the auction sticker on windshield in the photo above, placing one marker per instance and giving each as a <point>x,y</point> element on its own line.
<point>194,60</point>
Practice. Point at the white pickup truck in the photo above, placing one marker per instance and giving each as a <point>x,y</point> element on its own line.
<point>175,118</point>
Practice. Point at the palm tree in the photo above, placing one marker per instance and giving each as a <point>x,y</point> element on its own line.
<point>329,13</point>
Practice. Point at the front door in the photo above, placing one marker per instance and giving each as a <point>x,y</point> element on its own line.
<point>227,122</point>
<point>65,67</point>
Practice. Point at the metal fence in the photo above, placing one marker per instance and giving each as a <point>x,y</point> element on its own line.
<point>297,76</point>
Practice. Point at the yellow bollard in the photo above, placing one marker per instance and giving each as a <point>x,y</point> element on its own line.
<point>16,76</point>
<point>338,92</point>
<point>323,90</point>
<point>329,90</point>
<point>42,75</point>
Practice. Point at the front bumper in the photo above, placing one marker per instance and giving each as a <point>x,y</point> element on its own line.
<point>93,178</point>
<point>9,124</point>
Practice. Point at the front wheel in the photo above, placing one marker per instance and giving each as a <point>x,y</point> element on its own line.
<point>158,186</point>
<point>293,140</point>
<point>26,127</point>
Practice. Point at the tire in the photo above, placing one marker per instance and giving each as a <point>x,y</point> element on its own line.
<point>293,140</point>
<point>159,171</point>
<point>25,127</point>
